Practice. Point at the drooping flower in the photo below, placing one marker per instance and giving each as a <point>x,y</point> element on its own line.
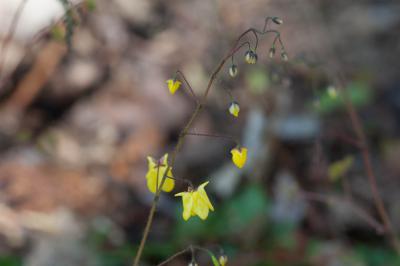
<point>156,173</point>
<point>277,20</point>
<point>284,56</point>
<point>223,260</point>
<point>250,57</point>
<point>195,202</point>
<point>271,53</point>
<point>233,70</point>
<point>239,156</point>
<point>332,92</point>
<point>234,109</point>
<point>173,85</point>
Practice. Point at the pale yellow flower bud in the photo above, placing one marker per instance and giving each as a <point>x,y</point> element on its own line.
<point>277,20</point>
<point>234,109</point>
<point>284,56</point>
<point>233,70</point>
<point>272,52</point>
<point>250,57</point>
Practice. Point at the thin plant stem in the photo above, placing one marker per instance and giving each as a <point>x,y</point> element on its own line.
<point>10,33</point>
<point>379,228</point>
<point>199,106</point>
<point>157,195</point>
<point>213,136</point>
<point>240,46</point>
<point>366,157</point>
<point>357,128</point>
<point>267,19</point>
<point>191,91</point>
<point>191,248</point>
<point>175,256</point>
<point>181,179</point>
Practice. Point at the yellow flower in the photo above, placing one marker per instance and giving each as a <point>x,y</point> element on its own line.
<point>332,92</point>
<point>195,202</point>
<point>223,260</point>
<point>156,173</point>
<point>239,156</point>
<point>234,109</point>
<point>173,85</point>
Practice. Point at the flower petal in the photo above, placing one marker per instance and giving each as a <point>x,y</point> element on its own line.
<point>187,203</point>
<point>234,109</point>
<point>151,162</point>
<point>199,206</point>
<point>165,159</point>
<point>151,181</point>
<point>173,85</point>
<point>239,157</point>
<point>168,185</point>
<point>203,196</point>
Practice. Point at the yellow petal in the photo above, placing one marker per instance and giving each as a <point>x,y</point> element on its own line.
<point>151,162</point>
<point>199,206</point>
<point>165,159</point>
<point>239,157</point>
<point>151,181</point>
<point>223,260</point>
<point>173,85</point>
<point>169,184</point>
<point>203,195</point>
<point>187,203</point>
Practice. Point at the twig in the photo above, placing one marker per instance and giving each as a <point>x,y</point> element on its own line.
<point>359,132</point>
<point>191,91</point>
<point>10,34</point>
<point>379,228</point>
<point>175,256</point>
<point>212,136</point>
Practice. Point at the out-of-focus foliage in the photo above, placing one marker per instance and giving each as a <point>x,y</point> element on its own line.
<point>339,168</point>
<point>359,93</point>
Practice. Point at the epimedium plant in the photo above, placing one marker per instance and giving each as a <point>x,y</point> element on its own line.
<point>160,178</point>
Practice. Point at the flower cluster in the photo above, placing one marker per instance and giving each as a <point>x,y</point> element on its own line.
<point>195,200</point>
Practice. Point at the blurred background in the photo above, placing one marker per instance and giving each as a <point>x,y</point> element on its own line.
<point>83,102</point>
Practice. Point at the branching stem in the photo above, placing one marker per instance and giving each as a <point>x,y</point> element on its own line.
<point>199,106</point>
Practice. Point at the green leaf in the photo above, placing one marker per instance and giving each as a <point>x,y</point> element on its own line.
<point>10,261</point>
<point>284,235</point>
<point>374,255</point>
<point>359,93</point>
<point>247,206</point>
<point>58,33</point>
<point>90,4</point>
<point>213,258</point>
<point>258,81</point>
<point>339,168</point>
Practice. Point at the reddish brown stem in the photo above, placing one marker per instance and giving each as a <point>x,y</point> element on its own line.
<point>358,210</point>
